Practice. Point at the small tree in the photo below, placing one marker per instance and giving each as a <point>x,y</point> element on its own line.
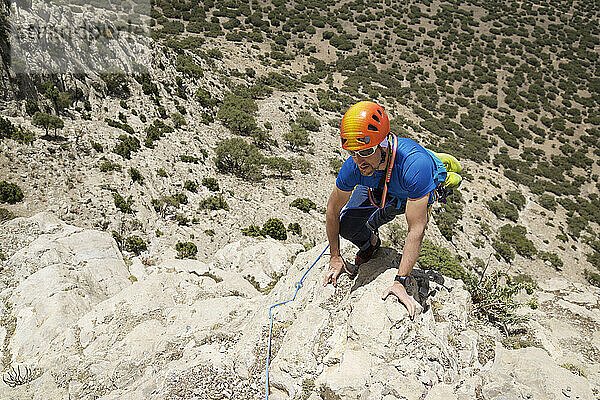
<point>297,137</point>
<point>239,158</point>
<point>279,164</point>
<point>56,123</point>
<point>135,244</point>
<point>116,82</point>
<point>42,120</point>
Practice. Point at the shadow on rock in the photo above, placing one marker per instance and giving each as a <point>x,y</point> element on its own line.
<point>418,285</point>
<point>52,138</point>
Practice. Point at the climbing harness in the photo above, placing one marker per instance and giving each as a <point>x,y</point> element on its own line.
<point>298,286</point>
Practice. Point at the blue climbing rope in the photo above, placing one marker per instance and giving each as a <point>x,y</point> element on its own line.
<point>298,286</point>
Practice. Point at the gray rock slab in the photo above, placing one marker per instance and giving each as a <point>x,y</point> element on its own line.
<point>531,373</point>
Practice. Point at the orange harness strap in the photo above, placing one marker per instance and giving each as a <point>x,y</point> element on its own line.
<point>388,173</point>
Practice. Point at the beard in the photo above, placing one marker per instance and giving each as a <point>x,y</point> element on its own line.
<point>366,169</point>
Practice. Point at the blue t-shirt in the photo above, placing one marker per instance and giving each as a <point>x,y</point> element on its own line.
<point>417,171</point>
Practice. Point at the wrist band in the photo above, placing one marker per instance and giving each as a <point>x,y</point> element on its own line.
<point>401,279</point>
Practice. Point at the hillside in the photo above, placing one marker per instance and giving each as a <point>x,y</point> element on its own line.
<point>211,123</point>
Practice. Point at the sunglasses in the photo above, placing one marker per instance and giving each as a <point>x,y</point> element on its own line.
<point>363,153</point>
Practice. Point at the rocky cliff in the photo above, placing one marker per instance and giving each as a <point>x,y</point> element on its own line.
<point>88,324</point>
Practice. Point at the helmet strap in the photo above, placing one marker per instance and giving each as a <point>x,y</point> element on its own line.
<point>382,160</point>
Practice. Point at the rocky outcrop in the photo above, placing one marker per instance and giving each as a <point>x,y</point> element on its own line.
<point>91,325</point>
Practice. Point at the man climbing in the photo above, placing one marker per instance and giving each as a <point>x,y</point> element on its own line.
<point>385,176</point>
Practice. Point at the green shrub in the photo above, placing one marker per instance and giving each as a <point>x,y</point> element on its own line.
<point>155,132</point>
<point>180,198</point>
<point>161,172</point>
<point>6,215</point>
<point>304,204</point>
<point>493,298</point>
<point>274,228</point>
<point>189,159</point>
<point>116,82</point>
<point>211,183</point>
<point>7,129</point>
<point>186,250</point>
<point>182,220</point>
<point>97,146</point>
<point>301,165</point>
<point>547,201</point>
<point>503,209</point>
<point>135,244</point>
<point>575,225</point>
<point>10,193</point>
<point>295,228</point>
<point>161,204</point>
<point>118,238</point>
<point>441,260</point>
<point>187,66</point>
<point>515,197</point>
<point>515,237</point>
<point>297,137</point>
<point>122,204</point>
<point>214,203</point>
<point>308,121</point>
<point>178,120</point>
<point>252,231</point>
<point>205,99</point>
<point>127,144</point>
<point>335,164</point>
<point>553,258</point>
<point>237,113</point>
<point>108,166</point>
<point>18,134</point>
<point>239,158</point>
<point>121,125</point>
<point>279,164</point>
<point>503,250</point>
<point>31,107</point>
<point>136,175</point>
<point>449,214</point>
<point>592,277</point>
<point>190,186</point>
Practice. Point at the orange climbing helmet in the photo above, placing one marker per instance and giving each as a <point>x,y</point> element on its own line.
<point>364,125</point>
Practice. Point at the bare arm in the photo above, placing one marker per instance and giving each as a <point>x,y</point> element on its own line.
<point>337,200</point>
<point>416,217</point>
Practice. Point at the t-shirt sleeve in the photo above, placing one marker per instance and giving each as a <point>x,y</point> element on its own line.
<point>418,176</point>
<point>347,179</point>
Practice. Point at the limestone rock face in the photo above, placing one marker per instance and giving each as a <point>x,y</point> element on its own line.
<point>530,373</point>
<point>90,326</point>
<point>262,261</point>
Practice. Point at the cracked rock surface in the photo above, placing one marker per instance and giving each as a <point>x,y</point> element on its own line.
<point>185,329</point>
